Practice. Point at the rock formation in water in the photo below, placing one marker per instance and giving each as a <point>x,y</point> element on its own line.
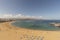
<point>55,24</point>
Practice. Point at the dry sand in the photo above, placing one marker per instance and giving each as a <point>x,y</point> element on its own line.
<point>9,32</point>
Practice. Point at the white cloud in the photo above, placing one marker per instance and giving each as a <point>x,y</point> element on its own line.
<point>6,16</point>
<point>19,16</point>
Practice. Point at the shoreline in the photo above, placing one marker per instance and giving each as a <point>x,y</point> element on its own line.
<point>30,29</point>
<point>10,32</point>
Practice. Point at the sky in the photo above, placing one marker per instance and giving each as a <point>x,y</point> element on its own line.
<point>49,9</point>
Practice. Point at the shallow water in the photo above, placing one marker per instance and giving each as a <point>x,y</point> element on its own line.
<point>37,24</point>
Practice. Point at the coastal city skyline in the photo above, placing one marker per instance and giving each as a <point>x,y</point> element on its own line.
<point>49,9</point>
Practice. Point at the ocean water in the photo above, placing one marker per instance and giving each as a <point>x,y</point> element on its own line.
<point>37,24</point>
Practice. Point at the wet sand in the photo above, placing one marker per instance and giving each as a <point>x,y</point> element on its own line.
<point>10,32</point>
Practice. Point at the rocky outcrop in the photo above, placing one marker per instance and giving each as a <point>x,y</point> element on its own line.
<point>55,24</point>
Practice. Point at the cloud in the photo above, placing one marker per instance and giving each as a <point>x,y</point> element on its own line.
<point>6,15</point>
<point>19,16</point>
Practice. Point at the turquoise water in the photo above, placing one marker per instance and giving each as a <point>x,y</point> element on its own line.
<point>36,24</point>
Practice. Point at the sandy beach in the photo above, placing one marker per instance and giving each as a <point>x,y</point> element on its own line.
<point>10,32</point>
